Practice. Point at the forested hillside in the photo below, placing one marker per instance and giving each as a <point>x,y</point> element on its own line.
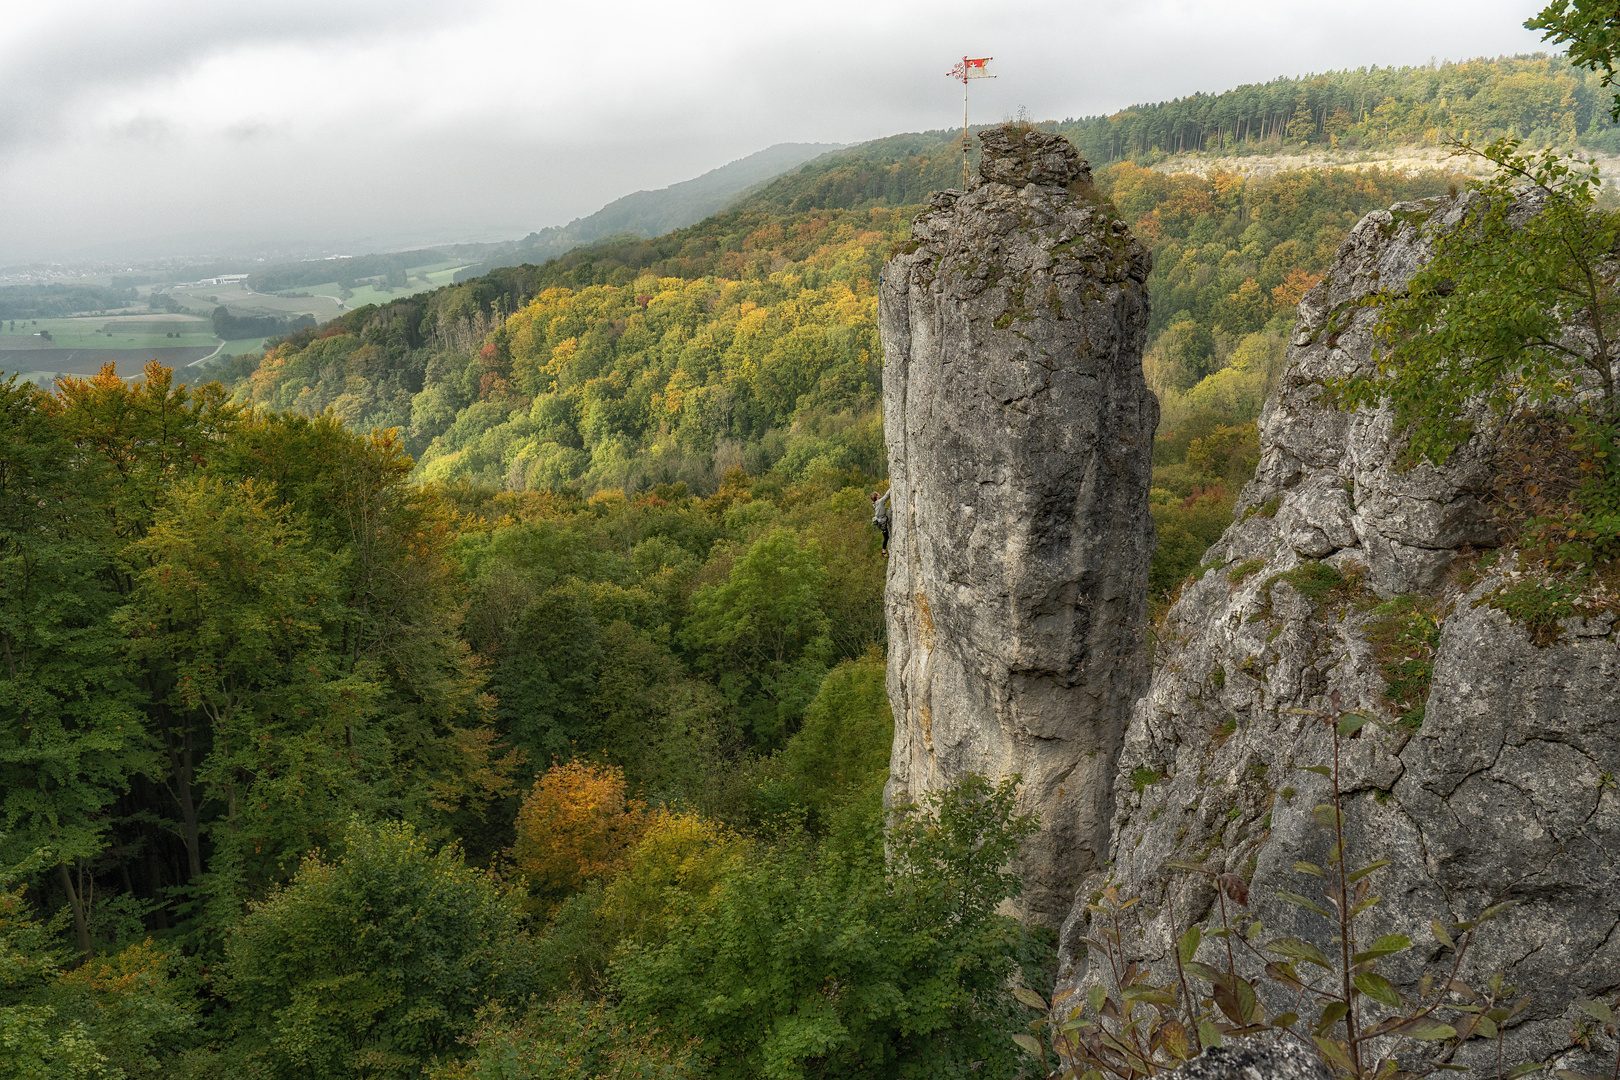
<point>1540,99</point>
<point>653,213</point>
<point>1230,254</point>
<point>1537,98</point>
<point>603,732</point>
<point>491,683</point>
<point>750,340</point>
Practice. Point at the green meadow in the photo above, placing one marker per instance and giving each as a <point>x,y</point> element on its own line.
<point>324,301</point>
<point>157,330</point>
<point>138,328</point>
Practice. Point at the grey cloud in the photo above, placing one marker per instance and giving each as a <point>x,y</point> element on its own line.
<point>506,155</point>
<point>109,48</point>
<point>246,131</point>
<point>146,129</point>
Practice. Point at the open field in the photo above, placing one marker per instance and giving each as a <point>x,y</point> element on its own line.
<point>132,336</point>
<point>1403,159</point>
<point>81,346</point>
<point>445,273</point>
<point>203,299</point>
<point>42,365</point>
<point>156,330</point>
<point>420,279</point>
<point>325,301</point>
<point>241,345</point>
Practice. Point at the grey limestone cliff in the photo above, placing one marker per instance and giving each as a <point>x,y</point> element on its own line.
<point>1493,781</point>
<point>1020,432</point>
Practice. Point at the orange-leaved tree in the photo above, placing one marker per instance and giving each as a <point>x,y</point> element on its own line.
<point>576,825</point>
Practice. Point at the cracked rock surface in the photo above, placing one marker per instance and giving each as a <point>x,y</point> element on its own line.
<point>1504,791</point>
<point>1020,434</point>
<point>1252,1061</point>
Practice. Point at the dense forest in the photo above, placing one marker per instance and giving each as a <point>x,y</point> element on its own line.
<point>1543,100</point>
<point>491,683</point>
<point>256,681</point>
<point>229,326</point>
<point>60,298</point>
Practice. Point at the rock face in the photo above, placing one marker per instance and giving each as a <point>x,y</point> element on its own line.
<point>1254,1061</point>
<point>1499,786</point>
<point>1020,437</point>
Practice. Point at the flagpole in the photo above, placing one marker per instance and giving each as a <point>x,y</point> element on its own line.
<point>964,131</point>
<point>969,68</point>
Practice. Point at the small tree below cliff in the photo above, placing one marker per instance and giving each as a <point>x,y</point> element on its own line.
<point>371,965</point>
<point>835,963</point>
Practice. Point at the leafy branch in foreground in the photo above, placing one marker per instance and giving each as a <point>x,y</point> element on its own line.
<point>1519,307</point>
<point>1344,1008</point>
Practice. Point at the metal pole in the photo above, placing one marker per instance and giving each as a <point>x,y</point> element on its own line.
<point>964,125</point>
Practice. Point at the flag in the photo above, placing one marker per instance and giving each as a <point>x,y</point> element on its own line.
<point>971,69</point>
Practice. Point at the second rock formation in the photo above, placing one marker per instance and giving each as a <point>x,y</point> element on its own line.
<point>1020,435</point>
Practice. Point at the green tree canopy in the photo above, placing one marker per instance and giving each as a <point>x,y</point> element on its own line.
<point>365,965</point>
<point>837,965</point>
<point>71,739</point>
<point>1592,28</point>
<point>1517,309</point>
<point>843,749</point>
<point>234,620</point>
<point>764,634</point>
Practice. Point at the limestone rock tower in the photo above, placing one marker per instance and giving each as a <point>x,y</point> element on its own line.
<point>1020,434</point>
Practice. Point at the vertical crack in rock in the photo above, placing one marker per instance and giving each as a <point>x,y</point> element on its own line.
<point>1020,436</point>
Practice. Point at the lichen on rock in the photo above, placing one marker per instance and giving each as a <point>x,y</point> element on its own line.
<point>1019,430</point>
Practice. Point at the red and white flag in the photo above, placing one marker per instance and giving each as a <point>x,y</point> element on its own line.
<point>971,69</point>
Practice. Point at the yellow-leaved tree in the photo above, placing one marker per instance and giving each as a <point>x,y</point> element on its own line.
<point>674,871</point>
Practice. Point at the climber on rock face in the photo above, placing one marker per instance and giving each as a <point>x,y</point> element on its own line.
<point>880,518</point>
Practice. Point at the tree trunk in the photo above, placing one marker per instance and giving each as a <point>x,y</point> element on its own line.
<point>154,876</point>
<point>123,869</point>
<point>81,927</point>
<point>180,765</point>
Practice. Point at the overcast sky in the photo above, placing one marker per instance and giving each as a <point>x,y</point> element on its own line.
<point>139,128</point>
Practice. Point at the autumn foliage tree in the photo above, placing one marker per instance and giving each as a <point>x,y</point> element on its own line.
<point>673,871</point>
<point>576,825</point>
